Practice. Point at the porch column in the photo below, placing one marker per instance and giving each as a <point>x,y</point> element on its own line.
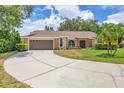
<point>76,43</point>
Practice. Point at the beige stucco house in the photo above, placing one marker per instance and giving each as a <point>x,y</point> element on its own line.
<point>43,40</point>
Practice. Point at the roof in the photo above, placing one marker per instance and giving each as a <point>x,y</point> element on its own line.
<point>69,34</point>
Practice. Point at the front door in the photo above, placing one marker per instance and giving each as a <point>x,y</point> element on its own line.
<point>82,43</point>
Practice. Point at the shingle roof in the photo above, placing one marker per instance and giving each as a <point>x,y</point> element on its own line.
<point>69,34</point>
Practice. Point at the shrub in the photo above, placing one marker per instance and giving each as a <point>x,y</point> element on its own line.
<point>22,40</point>
<point>121,45</point>
<point>4,45</point>
<point>22,47</point>
<point>101,46</point>
<point>8,40</point>
<point>114,46</point>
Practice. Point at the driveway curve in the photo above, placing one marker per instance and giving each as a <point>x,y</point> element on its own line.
<point>42,68</point>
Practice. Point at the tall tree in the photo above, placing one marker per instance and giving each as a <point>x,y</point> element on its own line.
<point>49,28</point>
<point>79,24</point>
<point>14,15</point>
<point>11,18</point>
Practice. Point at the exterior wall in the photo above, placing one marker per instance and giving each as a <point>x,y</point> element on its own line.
<point>56,43</point>
<point>26,40</point>
<point>67,40</point>
<point>88,42</point>
<point>78,43</point>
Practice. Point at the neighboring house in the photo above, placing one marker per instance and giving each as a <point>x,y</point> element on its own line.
<point>122,42</point>
<point>60,39</point>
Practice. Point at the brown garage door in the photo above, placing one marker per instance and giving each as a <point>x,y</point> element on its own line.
<point>41,44</point>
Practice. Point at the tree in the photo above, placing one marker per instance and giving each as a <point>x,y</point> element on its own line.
<point>49,28</point>
<point>109,35</point>
<point>14,15</point>
<point>120,28</point>
<point>11,18</point>
<point>46,28</point>
<point>79,24</point>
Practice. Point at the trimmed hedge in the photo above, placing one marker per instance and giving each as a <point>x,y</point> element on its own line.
<point>22,47</point>
<point>101,46</point>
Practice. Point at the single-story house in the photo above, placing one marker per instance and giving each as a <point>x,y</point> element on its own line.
<point>48,40</point>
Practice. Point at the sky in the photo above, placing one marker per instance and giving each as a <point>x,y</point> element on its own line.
<point>53,15</point>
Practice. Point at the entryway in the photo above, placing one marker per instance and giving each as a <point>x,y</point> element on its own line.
<point>82,44</point>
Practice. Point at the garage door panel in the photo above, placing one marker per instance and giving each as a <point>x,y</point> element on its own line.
<point>41,44</point>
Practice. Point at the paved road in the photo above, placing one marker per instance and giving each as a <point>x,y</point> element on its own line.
<point>45,69</point>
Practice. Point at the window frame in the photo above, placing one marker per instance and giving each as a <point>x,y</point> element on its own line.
<point>61,42</point>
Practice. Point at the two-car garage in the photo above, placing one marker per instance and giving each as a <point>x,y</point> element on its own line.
<point>40,44</point>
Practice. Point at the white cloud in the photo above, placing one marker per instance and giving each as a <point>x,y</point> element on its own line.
<point>29,25</point>
<point>115,8</point>
<point>107,6</point>
<point>74,12</point>
<point>115,18</point>
<point>34,13</point>
<point>48,7</point>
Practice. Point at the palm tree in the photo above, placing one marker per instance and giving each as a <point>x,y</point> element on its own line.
<point>120,28</point>
<point>109,35</point>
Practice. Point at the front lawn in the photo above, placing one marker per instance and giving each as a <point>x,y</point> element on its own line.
<point>93,55</point>
<point>7,81</point>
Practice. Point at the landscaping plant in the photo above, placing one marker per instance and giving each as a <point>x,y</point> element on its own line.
<point>111,34</point>
<point>11,18</point>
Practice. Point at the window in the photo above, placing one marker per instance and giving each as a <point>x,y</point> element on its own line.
<point>61,42</point>
<point>71,44</point>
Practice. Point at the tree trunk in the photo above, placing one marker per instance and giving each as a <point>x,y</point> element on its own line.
<point>115,52</point>
<point>110,48</point>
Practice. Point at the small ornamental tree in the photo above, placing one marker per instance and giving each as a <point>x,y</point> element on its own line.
<point>109,35</point>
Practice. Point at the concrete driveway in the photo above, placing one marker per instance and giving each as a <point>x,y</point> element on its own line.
<point>42,68</point>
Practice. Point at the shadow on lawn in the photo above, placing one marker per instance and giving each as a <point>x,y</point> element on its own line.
<point>108,56</point>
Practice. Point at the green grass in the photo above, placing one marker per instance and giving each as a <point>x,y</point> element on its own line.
<point>93,55</point>
<point>7,81</point>
<point>7,54</point>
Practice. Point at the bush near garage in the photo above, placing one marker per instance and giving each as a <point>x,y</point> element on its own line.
<point>22,47</point>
